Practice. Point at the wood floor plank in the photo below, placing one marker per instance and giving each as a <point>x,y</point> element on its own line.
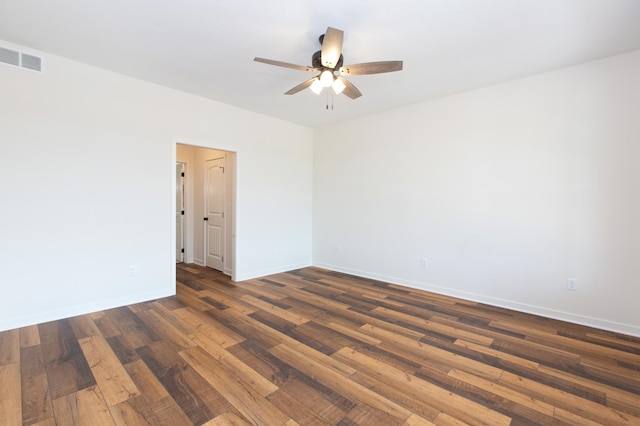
<point>10,390</point>
<point>415,420</point>
<point>84,326</point>
<point>163,406</point>
<point>440,399</point>
<point>110,375</point>
<point>120,347</point>
<point>36,399</point>
<point>617,341</point>
<point>444,419</point>
<point>84,407</point>
<point>611,373</point>
<point>162,327</point>
<point>301,413</point>
<point>235,366</point>
<point>212,329</point>
<point>326,405</point>
<point>268,334</point>
<point>134,411</point>
<point>275,310</point>
<point>191,299</point>
<point>581,407</point>
<point>394,341</point>
<point>337,381</point>
<point>417,404</point>
<point>132,328</point>
<point>29,336</point>
<point>616,398</point>
<point>66,366</point>
<point>504,392</point>
<point>146,381</point>
<point>230,299</point>
<point>354,333</point>
<point>502,355</point>
<point>9,346</point>
<point>576,346</point>
<point>107,327</point>
<point>227,419</point>
<point>240,394</point>
<point>194,396</point>
<point>313,346</point>
<point>436,327</point>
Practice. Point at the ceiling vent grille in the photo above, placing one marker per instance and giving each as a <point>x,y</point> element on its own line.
<point>20,59</point>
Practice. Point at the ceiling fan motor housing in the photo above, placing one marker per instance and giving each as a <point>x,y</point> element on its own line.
<point>316,60</point>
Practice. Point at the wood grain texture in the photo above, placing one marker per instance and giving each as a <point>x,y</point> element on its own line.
<point>84,407</point>
<point>110,374</point>
<point>10,405</point>
<point>9,346</point>
<point>36,399</point>
<point>315,347</point>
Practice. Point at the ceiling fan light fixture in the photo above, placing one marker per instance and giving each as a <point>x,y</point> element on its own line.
<point>316,86</point>
<point>326,78</point>
<point>329,60</point>
<point>338,86</point>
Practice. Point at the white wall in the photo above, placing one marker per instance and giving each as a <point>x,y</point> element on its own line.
<point>507,191</point>
<point>88,188</point>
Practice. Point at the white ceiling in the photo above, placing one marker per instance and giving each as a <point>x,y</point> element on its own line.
<point>206,47</point>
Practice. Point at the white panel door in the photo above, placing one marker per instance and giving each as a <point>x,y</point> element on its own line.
<point>214,189</point>
<point>179,212</point>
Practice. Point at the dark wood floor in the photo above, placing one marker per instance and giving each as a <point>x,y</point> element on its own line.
<point>314,347</point>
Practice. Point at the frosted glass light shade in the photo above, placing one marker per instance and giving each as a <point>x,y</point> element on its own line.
<point>338,86</point>
<point>326,78</point>
<point>316,86</point>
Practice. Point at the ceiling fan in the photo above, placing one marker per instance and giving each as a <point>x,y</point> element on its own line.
<point>327,61</point>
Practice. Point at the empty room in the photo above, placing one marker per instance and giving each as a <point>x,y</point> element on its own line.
<point>320,213</point>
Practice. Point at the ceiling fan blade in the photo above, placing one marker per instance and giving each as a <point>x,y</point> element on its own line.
<point>301,86</point>
<point>371,68</point>
<point>285,64</point>
<point>332,47</point>
<point>350,90</point>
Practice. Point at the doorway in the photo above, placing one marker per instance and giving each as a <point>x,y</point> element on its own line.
<point>209,206</point>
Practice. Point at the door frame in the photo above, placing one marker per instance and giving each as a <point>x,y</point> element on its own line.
<point>233,197</point>
<point>185,246</point>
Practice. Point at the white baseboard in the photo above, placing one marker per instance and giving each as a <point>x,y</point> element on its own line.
<point>57,314</point>
<point>603,324</point>
<point>271,271</point>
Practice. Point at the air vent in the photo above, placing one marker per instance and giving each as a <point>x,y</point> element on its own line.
<point>10,57</point>
<point>31,62</point>
<point>20,59</point>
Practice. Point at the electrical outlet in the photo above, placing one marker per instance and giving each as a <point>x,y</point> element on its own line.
<point>132,270</point>
<point>572,284</point>
<point>424,262</point>
<point>338,249</point>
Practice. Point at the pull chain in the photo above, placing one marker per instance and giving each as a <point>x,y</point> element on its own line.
<point>327,105</point>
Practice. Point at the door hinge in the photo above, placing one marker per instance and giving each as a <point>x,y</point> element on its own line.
<point>223,258</point>
<point>222,214</point>
<point>182,212</point>
<point>182,250</point>
<point>206,218</point>
<point>182,174</point>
